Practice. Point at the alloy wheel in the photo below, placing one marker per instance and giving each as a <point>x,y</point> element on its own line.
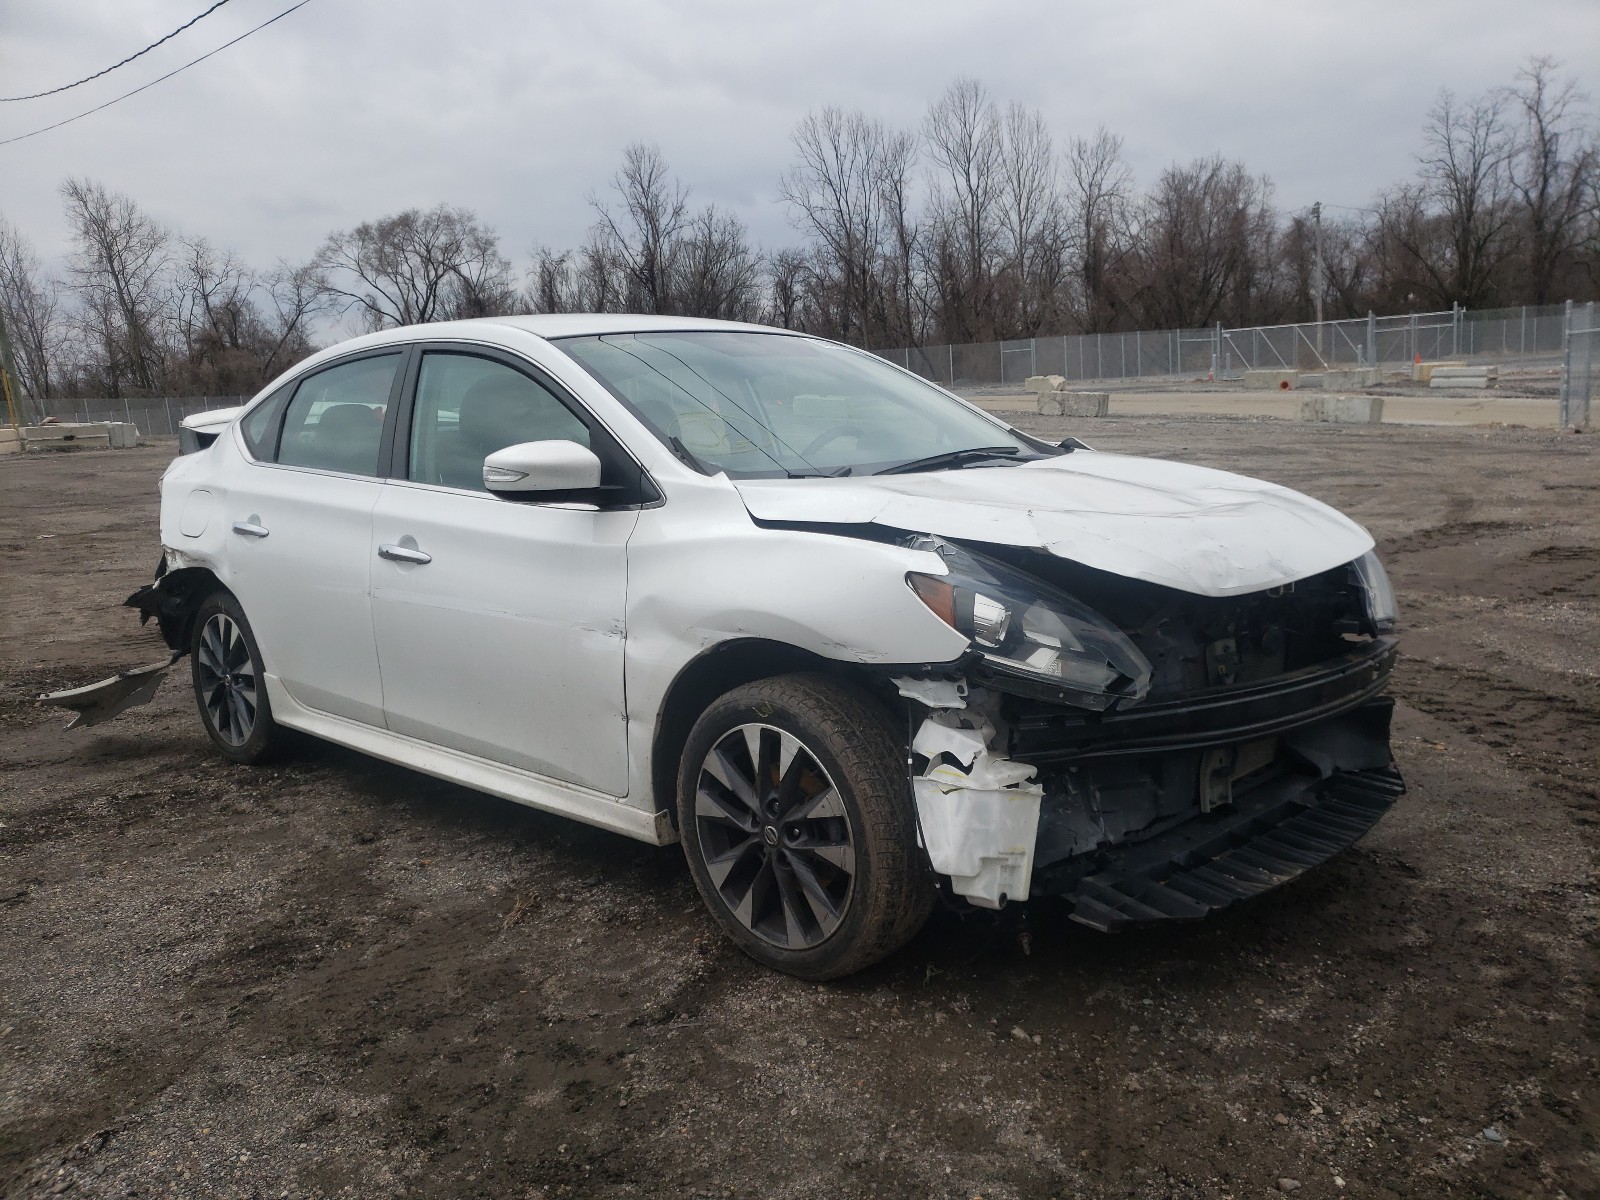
<point>775,836</point>
<point>227,679</point>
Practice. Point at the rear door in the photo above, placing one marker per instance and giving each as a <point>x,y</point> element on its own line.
<point>299,552</point>
<point>499,623</point>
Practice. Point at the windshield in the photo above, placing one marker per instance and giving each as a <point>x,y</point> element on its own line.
<point>757,404</point>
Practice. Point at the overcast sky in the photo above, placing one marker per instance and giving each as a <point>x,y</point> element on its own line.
<point>351,109</point>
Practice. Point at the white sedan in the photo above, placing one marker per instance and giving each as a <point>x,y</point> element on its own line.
<point>857,644</point>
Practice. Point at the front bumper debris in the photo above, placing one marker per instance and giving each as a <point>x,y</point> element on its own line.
<point>1212,861</point>
<point>97,702</point>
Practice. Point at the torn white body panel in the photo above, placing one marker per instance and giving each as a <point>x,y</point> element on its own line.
<point>1202,531</point>
<point>977,810</point>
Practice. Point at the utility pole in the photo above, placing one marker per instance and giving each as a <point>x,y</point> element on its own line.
<point>9,383</point>
<point>1317,286</point>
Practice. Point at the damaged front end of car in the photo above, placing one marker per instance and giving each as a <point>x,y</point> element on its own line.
<point>1143,752</point>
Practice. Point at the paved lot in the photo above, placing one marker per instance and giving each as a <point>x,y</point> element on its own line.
<point>338,978</point>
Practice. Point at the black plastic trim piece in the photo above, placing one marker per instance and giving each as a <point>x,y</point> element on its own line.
<point>1217,860</point>
<point>1217,716</point>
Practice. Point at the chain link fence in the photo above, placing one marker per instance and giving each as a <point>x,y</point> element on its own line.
<point>157,416</point>
<point>1531,335</point>
<point>1580,362</point>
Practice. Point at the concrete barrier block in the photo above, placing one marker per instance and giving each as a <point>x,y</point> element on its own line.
<point>1464,377</point>
<point>66,436</point>
<point>10,440</point>
<point>1278,381</point>
<point>1075,404</point>
<point>1044,383</point>
<point>123,435</point>
<point>1342,410</point>
<point>1423,372</point>
<point>1341,379</point>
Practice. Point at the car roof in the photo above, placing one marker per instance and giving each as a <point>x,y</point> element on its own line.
<point>558,325</point>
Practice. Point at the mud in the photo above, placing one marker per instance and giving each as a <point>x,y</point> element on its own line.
<point>333,977</point>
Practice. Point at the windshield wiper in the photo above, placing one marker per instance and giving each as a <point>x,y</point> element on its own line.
<point>819,473</point>
<point>950,458</point>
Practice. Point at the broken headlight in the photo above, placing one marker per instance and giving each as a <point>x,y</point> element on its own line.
<point>1030,631</point>
<point>1377,594</point>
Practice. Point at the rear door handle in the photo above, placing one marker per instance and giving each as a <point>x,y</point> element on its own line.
<point>403,554</point>
<point>249,529</point>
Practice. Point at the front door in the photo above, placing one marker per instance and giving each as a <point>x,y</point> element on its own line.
<point>499,623</point>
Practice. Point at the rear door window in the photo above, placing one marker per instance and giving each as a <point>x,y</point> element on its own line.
<point>335,421</point>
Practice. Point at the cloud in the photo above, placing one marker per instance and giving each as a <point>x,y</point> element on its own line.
<point>350,109</point>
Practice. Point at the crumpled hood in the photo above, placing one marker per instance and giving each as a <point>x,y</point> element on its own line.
<point>1208,532</point>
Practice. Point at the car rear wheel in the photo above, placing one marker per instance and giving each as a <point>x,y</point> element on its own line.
<point>229,684</point>
<point>796,819</point>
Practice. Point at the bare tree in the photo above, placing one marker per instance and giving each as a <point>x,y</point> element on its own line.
<point>118,269</point>
<point>416,266</point>
<point>717,271</point>
<point>295,295</point>
<point>1100,194</point>
<point>1033,224</point>
<point>849,192</point>
<point>786,274</point>
<point>1453,226</point>
<point>34,316</point>
<point>215,319</point>
<point>965,142</point>
<point>644,238</point>
<point>1204,243</point>
<point>1552,171</point>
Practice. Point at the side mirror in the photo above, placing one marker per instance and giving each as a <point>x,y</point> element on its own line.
<point>533,467</point>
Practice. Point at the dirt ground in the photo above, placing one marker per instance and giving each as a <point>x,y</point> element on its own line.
<point>338,978</point>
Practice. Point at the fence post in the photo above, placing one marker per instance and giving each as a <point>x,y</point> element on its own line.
<point>1522,347</point>
<point>950,353</point>
<point>1138,356</point>
<point>1372,338</point>
<point>1566,366</point>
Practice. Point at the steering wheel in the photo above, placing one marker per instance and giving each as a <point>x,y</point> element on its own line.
<point>848,429</point>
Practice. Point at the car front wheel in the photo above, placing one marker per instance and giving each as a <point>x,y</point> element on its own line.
<point>796,819</point>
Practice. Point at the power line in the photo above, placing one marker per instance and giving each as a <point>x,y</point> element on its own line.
<point>153,82</point>
<point>114,66</point>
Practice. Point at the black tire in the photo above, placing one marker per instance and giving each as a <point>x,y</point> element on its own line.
<point>773,873</point>
<point>229,683</point>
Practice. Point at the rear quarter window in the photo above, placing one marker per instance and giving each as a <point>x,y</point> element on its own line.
<point>261,424</point>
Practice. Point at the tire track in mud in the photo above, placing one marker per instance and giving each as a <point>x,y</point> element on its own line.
<point>1550,734</point>
<point>1451,533</point>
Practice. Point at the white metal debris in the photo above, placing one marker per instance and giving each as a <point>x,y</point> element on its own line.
<point>935,693</point>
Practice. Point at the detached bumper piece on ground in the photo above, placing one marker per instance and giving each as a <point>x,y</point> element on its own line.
<point>1224,857</point>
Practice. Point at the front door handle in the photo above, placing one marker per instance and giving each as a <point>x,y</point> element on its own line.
<point>250,529</point>
<point>403,554</point>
